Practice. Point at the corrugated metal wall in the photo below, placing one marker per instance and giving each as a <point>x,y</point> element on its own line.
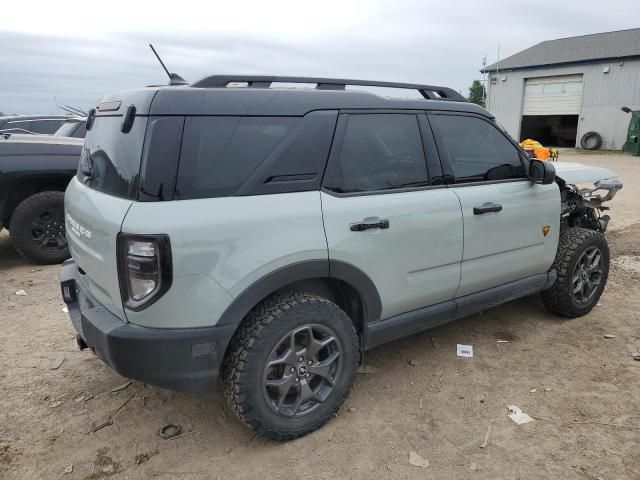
<point>603,95</point>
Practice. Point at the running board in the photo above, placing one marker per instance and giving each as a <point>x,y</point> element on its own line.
<point>416,321</point>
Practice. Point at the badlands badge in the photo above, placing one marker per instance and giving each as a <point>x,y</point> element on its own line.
<point>546,229</point>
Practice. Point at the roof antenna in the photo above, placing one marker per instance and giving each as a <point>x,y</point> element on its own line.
<point>174,78</point>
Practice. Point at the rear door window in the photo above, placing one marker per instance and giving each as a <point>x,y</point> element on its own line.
<point>380,152</point>
<point>46,126</point>
<point>220,153</point>
<point>477,150</point>
<point>113,158</point>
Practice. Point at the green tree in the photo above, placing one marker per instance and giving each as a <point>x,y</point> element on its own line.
<point>476,93</point>
<point>1,114</point>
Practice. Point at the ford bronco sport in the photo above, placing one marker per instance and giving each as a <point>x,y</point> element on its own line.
<point>270,235</point>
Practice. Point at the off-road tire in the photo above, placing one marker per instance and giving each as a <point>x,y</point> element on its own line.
<point>250,350</point>
<point>20,227</point>
<point>559,298</point>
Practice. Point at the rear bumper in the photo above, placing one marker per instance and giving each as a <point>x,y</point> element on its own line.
<point>180,359</point>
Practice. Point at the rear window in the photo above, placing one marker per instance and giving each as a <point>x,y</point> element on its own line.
<point>113,158</point>
<point>220,153</point>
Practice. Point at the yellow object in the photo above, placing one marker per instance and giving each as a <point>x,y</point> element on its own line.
<point>539,151</point>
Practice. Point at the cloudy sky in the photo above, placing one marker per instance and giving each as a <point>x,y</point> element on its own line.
<point>77,51</point>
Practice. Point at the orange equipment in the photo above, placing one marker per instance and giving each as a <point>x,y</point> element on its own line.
<point>536,150</point>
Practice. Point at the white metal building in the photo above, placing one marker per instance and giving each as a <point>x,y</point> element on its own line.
<point>558,90</point>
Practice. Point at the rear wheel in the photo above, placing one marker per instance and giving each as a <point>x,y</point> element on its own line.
<point>582,264</point>
<point>37,228</point>
<point>291,365</point>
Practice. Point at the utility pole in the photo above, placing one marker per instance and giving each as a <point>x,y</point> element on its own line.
<point>484,79</point>
<point>495,90</point>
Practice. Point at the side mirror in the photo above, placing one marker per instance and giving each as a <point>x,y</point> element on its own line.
<point>541,172</point>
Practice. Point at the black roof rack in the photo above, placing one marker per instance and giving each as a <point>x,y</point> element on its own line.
<point>430,92</point>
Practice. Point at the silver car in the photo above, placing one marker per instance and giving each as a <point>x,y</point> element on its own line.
<point>268,236</point>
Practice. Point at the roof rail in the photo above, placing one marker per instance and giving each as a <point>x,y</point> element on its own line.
<point>429,92</point>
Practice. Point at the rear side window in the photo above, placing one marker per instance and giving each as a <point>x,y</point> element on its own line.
<point>220,153</point>
<point>112,158</point>
<point>477,150</point>
<point>380,152</point>
<point>20,126</point>
<point>45,126</point>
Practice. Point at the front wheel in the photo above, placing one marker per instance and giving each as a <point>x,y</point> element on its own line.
<point>290,365</point>
<point>582,265</point>
<point>37,228</point>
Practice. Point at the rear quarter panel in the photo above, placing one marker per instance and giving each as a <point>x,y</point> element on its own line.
<point>220,246</point>
<point>95,251</point>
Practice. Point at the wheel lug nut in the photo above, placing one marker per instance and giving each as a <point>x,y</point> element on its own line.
<point>292,369</point>
<point>297,379</point>
<point>309,362</point>
<point>307,375</point>
<point>301,359</point>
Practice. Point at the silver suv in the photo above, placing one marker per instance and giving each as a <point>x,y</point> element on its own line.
<point>269,236</point>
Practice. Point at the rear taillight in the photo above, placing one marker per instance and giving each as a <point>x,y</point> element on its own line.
<point>144,269</point>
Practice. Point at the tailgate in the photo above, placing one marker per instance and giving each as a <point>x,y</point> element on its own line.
<point>93,220</point>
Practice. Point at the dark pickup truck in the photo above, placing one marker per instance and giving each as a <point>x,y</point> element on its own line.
<point>34,173</point>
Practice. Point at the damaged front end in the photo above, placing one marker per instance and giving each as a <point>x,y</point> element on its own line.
<point>582,206</point>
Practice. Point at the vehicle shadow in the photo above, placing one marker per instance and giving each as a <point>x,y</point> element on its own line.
<point>9,258</point>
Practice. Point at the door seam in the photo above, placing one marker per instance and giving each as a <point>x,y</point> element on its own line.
<point>455,295</point>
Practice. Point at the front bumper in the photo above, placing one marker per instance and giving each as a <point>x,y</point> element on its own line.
<point>180,359</point>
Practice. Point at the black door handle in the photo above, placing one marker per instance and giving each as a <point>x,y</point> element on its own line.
<point>487,208</point>
<point>368,224</point>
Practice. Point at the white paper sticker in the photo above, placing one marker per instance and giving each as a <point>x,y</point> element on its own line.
<point>465,351</point>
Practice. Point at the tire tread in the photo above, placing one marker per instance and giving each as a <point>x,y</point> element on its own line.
<point>558,297</point>
<point>237,364</point>
<point>16,227</point>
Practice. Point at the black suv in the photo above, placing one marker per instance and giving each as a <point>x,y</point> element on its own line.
<point>34,172</point>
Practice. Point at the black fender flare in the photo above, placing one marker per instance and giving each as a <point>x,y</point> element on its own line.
<point>305,270</point>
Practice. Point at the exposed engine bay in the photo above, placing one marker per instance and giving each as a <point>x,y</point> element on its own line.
<point>583,207</point>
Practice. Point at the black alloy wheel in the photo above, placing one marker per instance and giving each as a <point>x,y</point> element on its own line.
<point>302,370</point>
<point>587,275</point>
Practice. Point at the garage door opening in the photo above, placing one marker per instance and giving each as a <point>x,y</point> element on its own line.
<point>551,130</point>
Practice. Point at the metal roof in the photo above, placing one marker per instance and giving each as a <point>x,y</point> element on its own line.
<point>572,50</point>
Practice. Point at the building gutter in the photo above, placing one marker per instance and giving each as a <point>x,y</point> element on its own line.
<point>560,64</point>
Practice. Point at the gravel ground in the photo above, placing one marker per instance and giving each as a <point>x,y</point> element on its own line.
<point>581,387</point>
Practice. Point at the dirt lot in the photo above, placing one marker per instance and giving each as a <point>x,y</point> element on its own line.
<point>423,398</point>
